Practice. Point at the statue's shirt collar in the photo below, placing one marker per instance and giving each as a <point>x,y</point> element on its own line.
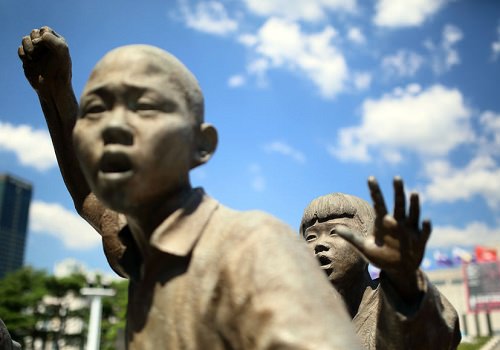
<point>179,232</point>
<point>176,236</point>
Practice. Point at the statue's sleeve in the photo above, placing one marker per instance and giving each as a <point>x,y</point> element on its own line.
<point>6,343</point>
<point>276,297</point>
<point>433,324</point>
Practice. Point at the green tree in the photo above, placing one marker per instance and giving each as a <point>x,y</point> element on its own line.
<point>32,302</point>
<point>62,290</point>
<point>113,315</point>
<point>21,293</point>
<point>37,306</point>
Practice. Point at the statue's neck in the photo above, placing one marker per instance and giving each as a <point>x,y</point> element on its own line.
<point>144,220</point>
<point>353,293</point>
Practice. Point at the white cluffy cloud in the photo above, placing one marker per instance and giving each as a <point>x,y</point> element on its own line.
<point>55,220</point>
<point>306,10</point>
<point>428,122</point>
<point>236,80</point>
<point>355,35</point>
<point>362,80</point>
<point>495,45</point>
<point>444,56</point>
<point>69,266</point>
<point>281,44</point>
<point>285,149</point>
<point>407,13</point>
<point>490,137</point>
<point>403,63</point>
<point>471,234</point>
<point>32,147</point>
<point>257,181</point>
<point>449,184</point>
<point>208,16</point>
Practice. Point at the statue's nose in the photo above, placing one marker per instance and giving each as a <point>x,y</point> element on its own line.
<point>117,134</point>
<point>116,127</point>
<point>319,248</point>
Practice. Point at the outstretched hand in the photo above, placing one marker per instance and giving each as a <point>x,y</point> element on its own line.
<point>46,60</point>
<point>397,245</point>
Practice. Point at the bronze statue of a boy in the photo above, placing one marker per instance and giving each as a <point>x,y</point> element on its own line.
<point>202,276</point>
<point>401,309</point>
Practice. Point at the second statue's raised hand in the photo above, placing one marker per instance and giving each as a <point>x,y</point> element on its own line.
<point>397,245</point>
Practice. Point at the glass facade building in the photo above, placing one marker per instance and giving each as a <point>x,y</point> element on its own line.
<point>15,197</point>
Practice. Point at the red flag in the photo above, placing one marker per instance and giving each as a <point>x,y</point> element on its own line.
<point>485,254</point>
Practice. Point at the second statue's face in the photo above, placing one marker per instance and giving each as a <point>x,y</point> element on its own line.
<point>134,137</point>
<point>337,257</point>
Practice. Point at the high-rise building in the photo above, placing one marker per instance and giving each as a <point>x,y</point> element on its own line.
<point>15,197</point>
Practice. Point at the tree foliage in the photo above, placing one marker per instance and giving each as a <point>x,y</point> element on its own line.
<point>20,294</point>
<point>35,305</point>
<point>114,312</point>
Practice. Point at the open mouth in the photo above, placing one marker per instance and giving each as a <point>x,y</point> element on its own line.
<point>326,263</point>
<point>115,163</point>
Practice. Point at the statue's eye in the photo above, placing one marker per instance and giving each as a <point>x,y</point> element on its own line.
<point>151,104</point>
<point>311,237</point>
<point>93,110</point>
<point>169,106</point>
<point>145,106</point>
<point>333,232</point>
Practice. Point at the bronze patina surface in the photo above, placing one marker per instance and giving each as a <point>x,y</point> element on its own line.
<point>401,309</point>
<point>203,276</point>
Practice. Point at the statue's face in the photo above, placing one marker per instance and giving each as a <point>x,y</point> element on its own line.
<point>134,137</point>
<point>337,257</point>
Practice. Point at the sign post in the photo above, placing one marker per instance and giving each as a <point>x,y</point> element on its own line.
<point>95,295</point>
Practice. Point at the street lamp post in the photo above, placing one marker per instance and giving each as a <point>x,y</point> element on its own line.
<point>95,295</point>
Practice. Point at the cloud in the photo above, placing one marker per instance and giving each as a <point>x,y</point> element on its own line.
<point>306,10</point>
<point>450,184</point>
<point>403,63</point>
<point>408,119</point>
<point>490,136</point>
<point>495,46</point>
<point>257,182</point>
<point>69,266</point>
<point>285,149</point>
<point>409,13</point>
<point>471,234</point>
<point>282,44</point>
<point>441,57</point>
<point>208,17</point>
<point>236,81</point>
<point>356,36</point>
<point>258,68</point>
<point>479,177</point>
<point>247,40</point>
<point>55,220</point>
<point>32,147</point>
<point>444,56</point>
<point>362,80</point>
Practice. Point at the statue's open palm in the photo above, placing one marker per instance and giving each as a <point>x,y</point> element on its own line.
<point>397,244</point>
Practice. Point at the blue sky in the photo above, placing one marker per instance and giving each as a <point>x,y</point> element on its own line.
<point>309,97</point>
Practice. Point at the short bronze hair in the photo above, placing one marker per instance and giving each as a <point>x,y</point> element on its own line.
<point>337,205</point>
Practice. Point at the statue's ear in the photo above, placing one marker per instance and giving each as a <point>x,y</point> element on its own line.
<point>206,144</point>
